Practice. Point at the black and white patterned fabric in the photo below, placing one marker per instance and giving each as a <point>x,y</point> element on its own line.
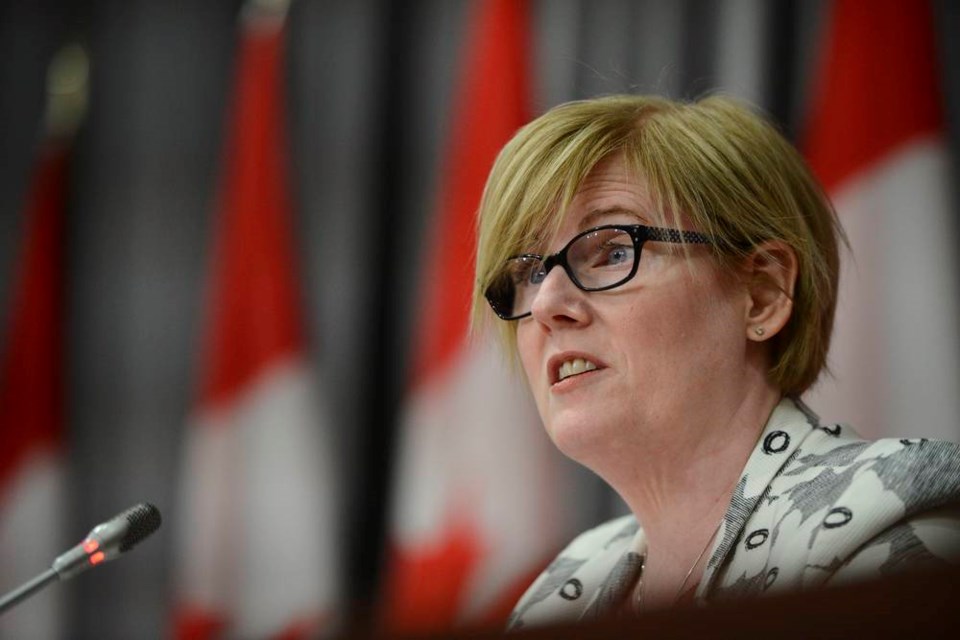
<point>815,505</point>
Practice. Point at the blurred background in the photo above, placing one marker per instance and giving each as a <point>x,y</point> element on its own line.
<point>235,250</point>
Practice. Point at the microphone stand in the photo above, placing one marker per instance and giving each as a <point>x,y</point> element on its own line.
<point>27,589</point>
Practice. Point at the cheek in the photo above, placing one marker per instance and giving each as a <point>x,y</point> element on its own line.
<point>656,337</point>
<point>530,349</point>
<point>686,332</point>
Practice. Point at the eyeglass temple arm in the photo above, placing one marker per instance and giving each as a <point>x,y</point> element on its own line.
<point>676,236</point>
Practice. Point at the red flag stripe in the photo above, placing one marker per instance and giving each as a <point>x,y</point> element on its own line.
<point>194,623</point>
<point>428,585</point>
<point>429,579</point>
<point>31,402</point>
<point>879,86</point>
<point>490,104</point>
<point>197,624</point>
<point>255,298</point>
<point>253,327</point>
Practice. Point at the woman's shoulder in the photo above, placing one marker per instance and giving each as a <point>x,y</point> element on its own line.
<point>832,459</point>
<point>918,473</point>
<point>571,582</point>
<point>842,490</point>
<point>927,541</point>
<point>841,501</point>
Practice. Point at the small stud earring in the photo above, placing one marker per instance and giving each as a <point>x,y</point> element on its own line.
<point>759,331</point>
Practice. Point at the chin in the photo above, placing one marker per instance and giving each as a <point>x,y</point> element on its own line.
<point>579,437</point>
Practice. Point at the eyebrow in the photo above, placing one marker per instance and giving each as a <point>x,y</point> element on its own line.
<point>592,219</point>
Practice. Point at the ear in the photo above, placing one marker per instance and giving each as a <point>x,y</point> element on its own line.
<point>770,275</point>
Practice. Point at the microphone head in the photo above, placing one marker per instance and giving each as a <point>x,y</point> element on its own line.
<point>109,539</point>
<point>142,520</point>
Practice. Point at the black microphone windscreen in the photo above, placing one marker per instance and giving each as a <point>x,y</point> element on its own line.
<point>143,519</point>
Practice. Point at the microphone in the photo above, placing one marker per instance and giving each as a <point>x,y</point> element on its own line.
<point>108,540</point>
<point>105,541</point>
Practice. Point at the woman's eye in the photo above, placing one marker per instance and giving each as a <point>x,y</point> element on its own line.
<point>613,254</point>
<point>526,271</point>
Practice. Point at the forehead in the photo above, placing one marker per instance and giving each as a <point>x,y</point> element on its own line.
<point>610,187</point>
<point>610,193</point>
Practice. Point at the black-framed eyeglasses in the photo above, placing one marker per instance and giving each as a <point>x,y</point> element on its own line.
<point>595,260</point>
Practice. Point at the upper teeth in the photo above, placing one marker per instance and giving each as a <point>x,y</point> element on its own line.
<point>575,366</point>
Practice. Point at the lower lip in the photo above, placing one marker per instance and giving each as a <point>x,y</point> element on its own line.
<point>572,382</point>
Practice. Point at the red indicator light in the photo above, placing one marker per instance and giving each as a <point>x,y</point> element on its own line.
<point>90,545</point>
<point>97,558</point>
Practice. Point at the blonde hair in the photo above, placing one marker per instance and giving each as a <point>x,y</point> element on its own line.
<point>716,161</point>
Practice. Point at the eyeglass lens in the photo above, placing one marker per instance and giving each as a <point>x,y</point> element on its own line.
<point>598,259</point>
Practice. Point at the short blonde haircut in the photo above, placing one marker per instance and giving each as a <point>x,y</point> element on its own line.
<point>726,168</point>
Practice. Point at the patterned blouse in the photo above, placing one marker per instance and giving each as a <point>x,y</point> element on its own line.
<point>815,505</point>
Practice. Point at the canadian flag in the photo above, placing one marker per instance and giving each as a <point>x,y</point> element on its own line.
<point>32,497</point>
<point>876,139</point>
<point>481,499</point>
<point>256,523</point>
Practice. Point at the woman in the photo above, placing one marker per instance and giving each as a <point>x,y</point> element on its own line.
<point>677,377</point>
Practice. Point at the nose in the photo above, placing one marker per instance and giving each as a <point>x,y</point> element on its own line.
<point>558,302</point>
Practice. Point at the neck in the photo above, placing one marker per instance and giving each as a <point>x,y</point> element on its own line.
<point>680,492</point>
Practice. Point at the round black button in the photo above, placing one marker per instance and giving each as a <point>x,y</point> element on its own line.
<point>776,442</point>
<point>837,517</point>
<point>571,589</point>
<point>757,538</point>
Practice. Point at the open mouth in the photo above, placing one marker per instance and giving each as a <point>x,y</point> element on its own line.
<point>573,367</point>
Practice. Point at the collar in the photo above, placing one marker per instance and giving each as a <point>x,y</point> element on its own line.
<point>790,423</point>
